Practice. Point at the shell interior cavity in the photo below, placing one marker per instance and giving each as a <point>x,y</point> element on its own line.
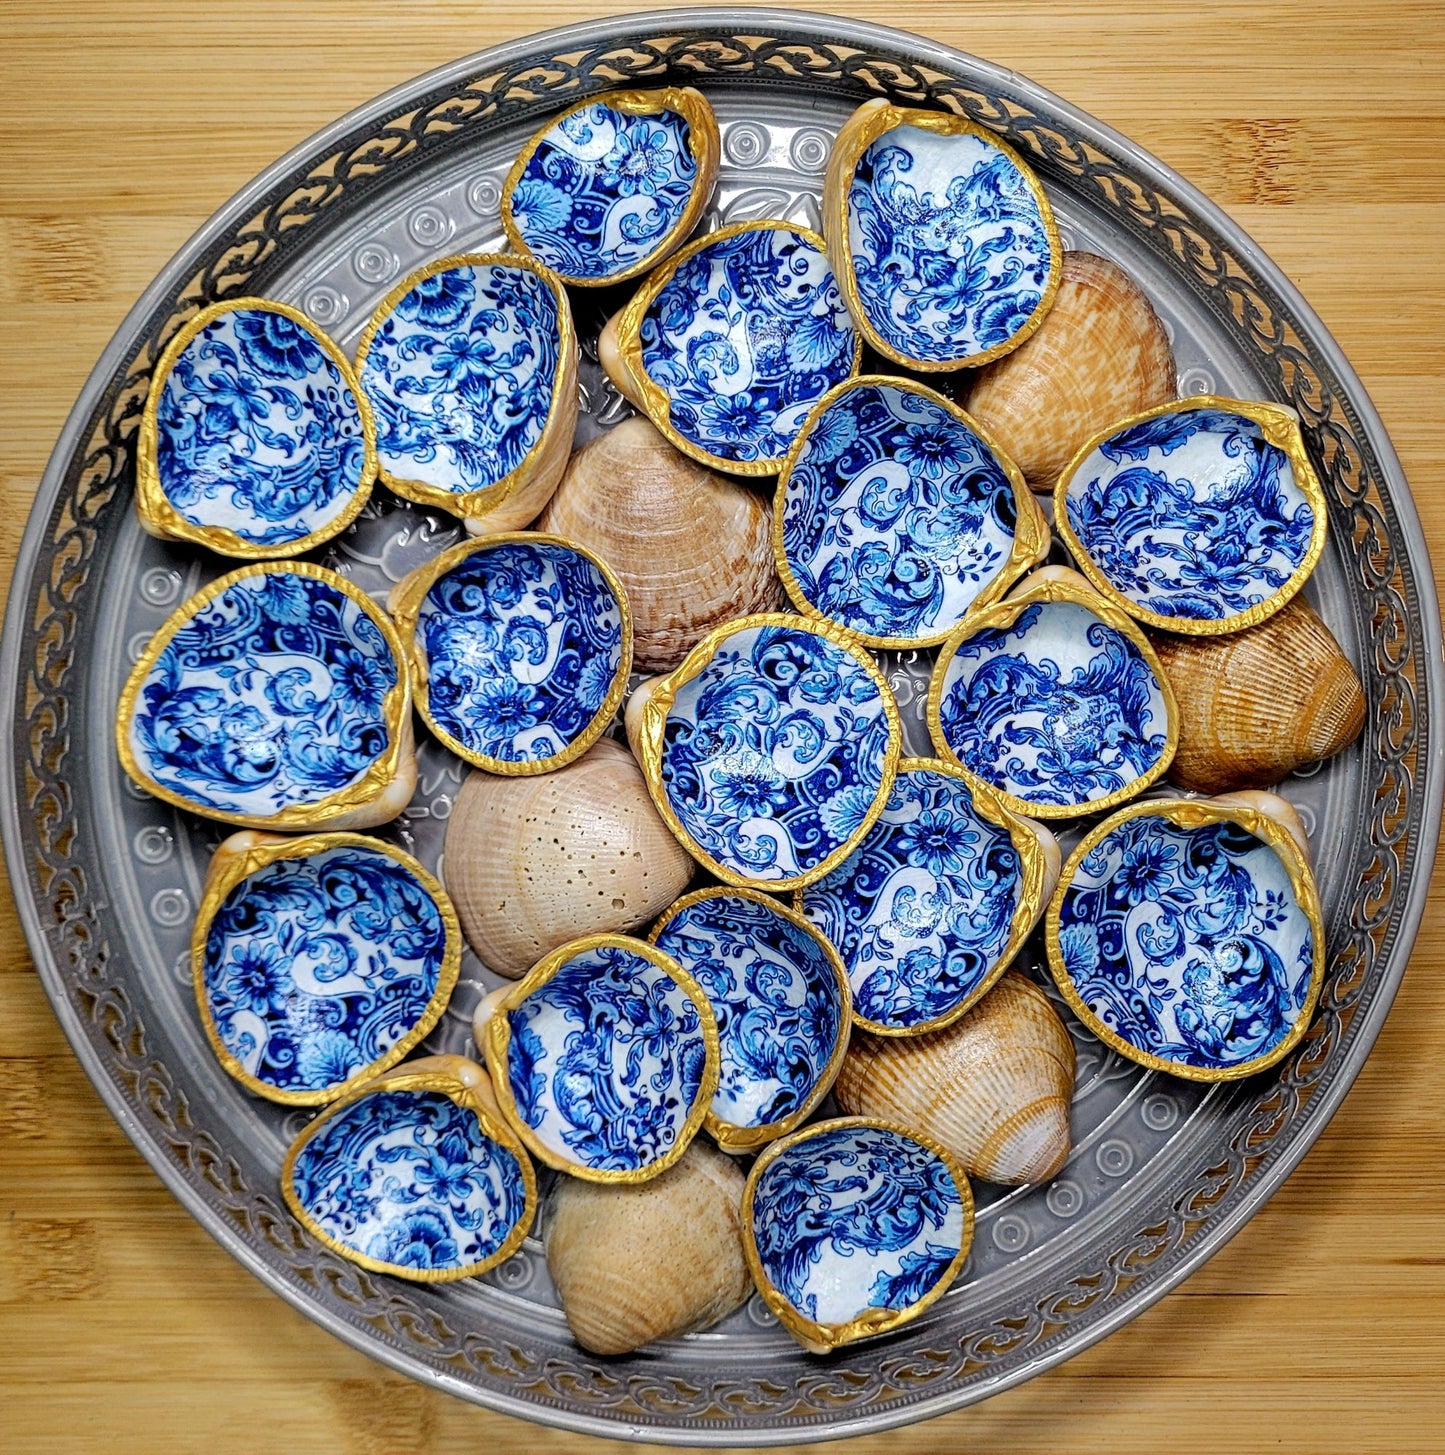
<point>894,514</point>
<point>1191,514</point>
<point>1189,944</point>
<point>923,910</point>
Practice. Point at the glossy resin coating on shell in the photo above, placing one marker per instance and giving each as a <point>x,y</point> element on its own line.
<point>923,911</point>
<point>781,1003</point>
<point>253,440</point>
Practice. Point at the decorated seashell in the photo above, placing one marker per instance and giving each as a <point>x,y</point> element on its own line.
<point>729,344</point>
<point>854,1227</point>
<point>604,1058</point>
<point>521,647</point>
<point>415,1173</point>
<point>993,1087</point>
<point>771,750</point>
<point>254,440</point>
<point>1257,704</point>
<point>935,902</point>
<point>1054,699</point>
<point>1100,355</point>
<point>534,862</point>
<point>942,238</point>
<point>780,997</point>
<point>470,368</point>
<point>1202,516</point>
<point>691,548</point>
<point>319,962</point>
<point>895,516</point>
<point>650,1261</point>
<point>276,697</point>
<point>1186,934</point>
<point>611,186</point>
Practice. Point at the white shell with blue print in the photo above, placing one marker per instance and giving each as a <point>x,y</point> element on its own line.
<point>922,910</point>
<point>1188,943</point>
<point>1058,709</point>
<point>895,514</point>
<point>523,643</point>
<point>409,1178</point>
<point>951,252</point>
<point>856,1218</point>
<point>1192,514</point>
<point>779,1007</point>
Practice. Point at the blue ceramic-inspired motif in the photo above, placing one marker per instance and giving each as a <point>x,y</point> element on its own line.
<point>1189,943</point>
<point>950,249</point>
<point>774,753</point>
<point>258,431</point>
<point>922,909</point>
<point>409,1178</point>
<point>777,1000</point>
<point>523,643</point>
<point>1058,709</point>
<point>606,1060</point>
<point>746,336</point>
<point>856,1218</point>
<point>268,697</point>
<point>896,514</point>
<point>603,189</point>
<point>1192,514</point>
<point>315,968</point>
<point>460,376</point>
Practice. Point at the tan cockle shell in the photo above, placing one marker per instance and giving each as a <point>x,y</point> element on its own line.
<point>1258,704</point>
<point>1100,354</point>
<point>994,1087</point>
<point>534,862</point>
<point>691,547</point>
<point>652,1260</point>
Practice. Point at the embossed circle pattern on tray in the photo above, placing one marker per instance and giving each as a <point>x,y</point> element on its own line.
<point>1162,1172</point>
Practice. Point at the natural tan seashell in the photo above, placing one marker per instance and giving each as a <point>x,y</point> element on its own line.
<point>534,862</point>
<point>1272,806</point>
<point>691,547</point>
<point>1255,705</point>
<point>1100,354</point>
<point>520,510</point>
<point>994,1087</point>
<point>652,1260</point>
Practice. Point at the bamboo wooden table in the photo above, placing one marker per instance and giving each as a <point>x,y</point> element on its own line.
<point>1319,126</point>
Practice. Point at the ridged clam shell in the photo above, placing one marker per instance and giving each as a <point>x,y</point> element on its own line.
<point>994,1087</point>
<point>534,862</point>
<point>651,1261</point>
<point>690,547</point>
<point>1258,704</point>
<point>1100,354</point>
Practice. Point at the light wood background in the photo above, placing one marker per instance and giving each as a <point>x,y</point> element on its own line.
<point>1319,125</point>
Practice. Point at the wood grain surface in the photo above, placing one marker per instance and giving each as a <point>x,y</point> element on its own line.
<point>1318,125</point>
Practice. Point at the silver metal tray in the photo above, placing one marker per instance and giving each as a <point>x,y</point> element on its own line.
<point>1163,1172</point>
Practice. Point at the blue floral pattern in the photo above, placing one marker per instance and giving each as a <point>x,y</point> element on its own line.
<point>745,337</point>
<point>895,514</point>
<point>779,1007</point>
<point>315,968</point>
<point>1058,709</point>
<point>775,753</point>
<point>523,643</point>
<point>460,375</point>
<point>607,1060</point>
<point>856,1218</point>
<point>257,430</point>
<point>603,190</point>
<point>269,697</point>
<point>1188,943</point>
<point>951,252</point>
<point>411,1179</point>
<point>1191,514</point>
<point>921,911</point>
